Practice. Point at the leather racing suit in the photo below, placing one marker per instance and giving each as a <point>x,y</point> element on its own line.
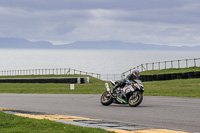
<point>129,78</point>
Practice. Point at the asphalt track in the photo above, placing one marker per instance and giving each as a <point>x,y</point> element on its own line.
<point>155,111</point>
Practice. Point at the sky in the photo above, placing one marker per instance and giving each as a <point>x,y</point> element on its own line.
<point>162,22</point>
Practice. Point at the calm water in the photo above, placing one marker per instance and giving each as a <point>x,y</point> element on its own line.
<point>98,61</point>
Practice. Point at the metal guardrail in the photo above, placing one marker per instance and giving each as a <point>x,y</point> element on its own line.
<point>186,63</point>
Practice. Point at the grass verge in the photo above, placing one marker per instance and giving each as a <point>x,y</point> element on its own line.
<point>95,86</point>
<point>178,88</point>
<point>15,124</point>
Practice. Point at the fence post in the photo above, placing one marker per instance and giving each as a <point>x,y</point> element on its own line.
<point>172,64</point>
<point>165,64</point>
<point>147,66</point>
<point>186,63</point>
<point>141,67</point>
<point>152,66</point>
<point>178,63</point>
<point>158,65</point>
<point>195,62</point>
<point>137,67</point>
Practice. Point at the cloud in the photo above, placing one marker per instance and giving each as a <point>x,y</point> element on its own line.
<point>172,22</point>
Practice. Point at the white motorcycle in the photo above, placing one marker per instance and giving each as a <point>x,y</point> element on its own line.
<point>131,93</point>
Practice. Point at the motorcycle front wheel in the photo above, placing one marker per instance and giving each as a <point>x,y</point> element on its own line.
<point>106,99</point>
<point>135,101</point>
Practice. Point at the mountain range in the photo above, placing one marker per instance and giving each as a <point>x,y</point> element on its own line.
<point>14,43</point>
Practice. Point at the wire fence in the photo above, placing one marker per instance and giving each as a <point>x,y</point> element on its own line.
<point>54,71</point>
<point>59,71</point>
<point>185,63</point>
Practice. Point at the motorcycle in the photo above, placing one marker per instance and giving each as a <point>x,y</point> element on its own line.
<point>131,93</point>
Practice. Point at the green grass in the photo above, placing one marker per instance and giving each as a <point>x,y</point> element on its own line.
<point>172,70</point>
<point>52,88</point>
<point>15,124</point>
<point>177,88</point>
<point>95,86</point>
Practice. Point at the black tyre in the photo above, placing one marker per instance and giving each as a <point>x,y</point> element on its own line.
<point>135,101</point>
<point>106,99</point>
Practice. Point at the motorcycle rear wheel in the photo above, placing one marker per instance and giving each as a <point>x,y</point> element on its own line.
<point>106,99</point>
<point>135,101</point>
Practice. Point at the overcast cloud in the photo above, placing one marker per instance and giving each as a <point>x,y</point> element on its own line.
<point>171,22</point>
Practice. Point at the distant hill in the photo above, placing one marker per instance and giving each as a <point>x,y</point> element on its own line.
<point>23,43</point>
<point>123,45</point>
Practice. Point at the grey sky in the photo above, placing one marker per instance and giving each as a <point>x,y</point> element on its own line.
<point>171,22</point>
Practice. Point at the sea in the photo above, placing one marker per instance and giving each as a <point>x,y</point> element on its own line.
<point>96,61</point>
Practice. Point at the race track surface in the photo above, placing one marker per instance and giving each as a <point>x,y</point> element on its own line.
<point>155,111</point>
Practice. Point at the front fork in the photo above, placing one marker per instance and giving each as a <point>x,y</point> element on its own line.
<point>108,89</point>
<point>136,93</point>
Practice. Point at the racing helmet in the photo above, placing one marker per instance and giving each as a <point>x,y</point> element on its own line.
<point>136,73</point>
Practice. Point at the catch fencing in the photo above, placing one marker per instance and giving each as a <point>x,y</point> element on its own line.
<point>185,63</point>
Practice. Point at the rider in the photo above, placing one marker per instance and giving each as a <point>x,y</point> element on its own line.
<point>129,78</point>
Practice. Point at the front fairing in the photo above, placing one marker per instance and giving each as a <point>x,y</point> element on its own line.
<point>138,84</point>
